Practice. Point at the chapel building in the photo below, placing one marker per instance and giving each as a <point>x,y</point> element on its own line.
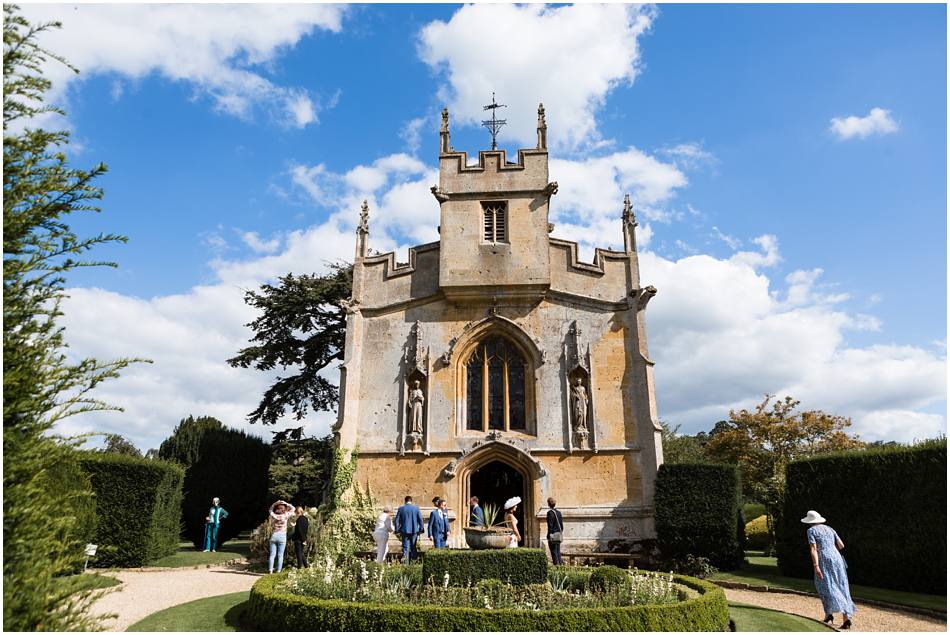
<point>495,363</point>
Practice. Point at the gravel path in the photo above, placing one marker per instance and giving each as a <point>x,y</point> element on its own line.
<point>867,618</point>
<point>145,592</point>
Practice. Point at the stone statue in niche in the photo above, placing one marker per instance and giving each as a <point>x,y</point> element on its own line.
<point>416,418</point>
<point>579,408</point>
<point>416,404</point>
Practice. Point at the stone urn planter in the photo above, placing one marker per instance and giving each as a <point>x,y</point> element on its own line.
<point>480,538</point>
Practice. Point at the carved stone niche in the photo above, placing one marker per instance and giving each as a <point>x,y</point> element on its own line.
<point>580,398</point>
<point>416,395</point>
<point>581,411</point>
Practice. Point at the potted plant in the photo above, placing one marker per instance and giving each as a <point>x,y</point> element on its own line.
<point>493,535</point>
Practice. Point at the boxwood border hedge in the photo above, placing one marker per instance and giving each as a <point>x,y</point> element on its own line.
<point>518,566</point>
<point>273,610</point>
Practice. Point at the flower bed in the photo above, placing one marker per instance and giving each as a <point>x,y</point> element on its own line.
<point>364,597</point>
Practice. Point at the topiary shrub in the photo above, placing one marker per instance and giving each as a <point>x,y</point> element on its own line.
<point>464,566</point>
<point>272,609</point>
<point>606,576</point>
<point>853,490</point>
<point>757,533</point>
<point>138,508</point>
<point>698,513</point>
<point>224,463</point>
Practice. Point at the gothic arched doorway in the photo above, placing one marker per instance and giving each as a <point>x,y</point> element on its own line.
<point>494,483</point>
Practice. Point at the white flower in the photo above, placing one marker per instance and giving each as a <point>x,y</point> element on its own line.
<point>445,580</point>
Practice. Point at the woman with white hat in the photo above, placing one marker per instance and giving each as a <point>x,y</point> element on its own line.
<point>831,571</point>
<point>511,506</point>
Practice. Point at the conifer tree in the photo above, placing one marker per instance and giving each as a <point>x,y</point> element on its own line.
<point>40,387</point>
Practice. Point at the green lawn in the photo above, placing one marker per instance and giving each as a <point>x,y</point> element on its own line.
<point>763,570</point>
<point>750,619</point>
<point>188,556</point>
<point>219,613</point>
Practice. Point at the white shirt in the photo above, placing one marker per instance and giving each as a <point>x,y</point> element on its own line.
<point>384,524</point>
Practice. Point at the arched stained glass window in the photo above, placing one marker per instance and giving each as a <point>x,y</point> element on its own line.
<point>495,387</point>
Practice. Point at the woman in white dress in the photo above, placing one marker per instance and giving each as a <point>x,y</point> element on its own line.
<point>384,527</point>
<point>511,506</point>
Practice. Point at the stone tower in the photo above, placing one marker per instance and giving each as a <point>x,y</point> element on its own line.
<point>495,363</point>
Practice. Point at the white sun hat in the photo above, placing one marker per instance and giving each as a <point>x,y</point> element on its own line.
<point>511,502</point>
<point>812,517</point>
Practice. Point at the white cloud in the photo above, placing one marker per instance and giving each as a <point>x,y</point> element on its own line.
<point>568,57</point>
<point>722,337</point>
<point>689,155</point>
<point>259,245</point>
<point>768,257</point>
<point>411,133</point>
<point>733,242</point>
<point>877,122</point>
<point>218,49</point>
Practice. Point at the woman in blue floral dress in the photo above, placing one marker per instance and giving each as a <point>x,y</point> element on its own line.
<point>831,574</point>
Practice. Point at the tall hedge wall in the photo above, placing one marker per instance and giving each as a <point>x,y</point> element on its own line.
<point>224,463</point>
<point>698,512</point>
<point>138,508</point>
<point>273,610</point>
<point>889,506</point>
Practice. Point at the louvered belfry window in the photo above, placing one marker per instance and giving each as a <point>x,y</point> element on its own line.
<point>495,387</point>
<point>495,222</point>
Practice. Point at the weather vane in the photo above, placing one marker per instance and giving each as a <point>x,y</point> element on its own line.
<point>493,124</point>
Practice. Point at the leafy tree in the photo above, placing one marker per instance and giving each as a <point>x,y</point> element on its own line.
<point>302,326</point>
<point>763,441</point>
<point>41,533</point>
<point>219,462</point>
<point>300,467</point>
<point>682,448</point>
<point>118,444</point>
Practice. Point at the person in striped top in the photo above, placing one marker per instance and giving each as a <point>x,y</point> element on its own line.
<point>280,513</point>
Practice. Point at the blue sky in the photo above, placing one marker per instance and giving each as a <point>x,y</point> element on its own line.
<point>792,254</point>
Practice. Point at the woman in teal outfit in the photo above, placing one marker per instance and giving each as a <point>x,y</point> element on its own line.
<point>831,571</point>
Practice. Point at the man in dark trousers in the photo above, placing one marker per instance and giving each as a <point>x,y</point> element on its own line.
<point>408,527</point>
<point>555,531</point>
<point>301,528</point>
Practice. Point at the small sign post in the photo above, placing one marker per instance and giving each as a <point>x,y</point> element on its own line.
<point>90,551</point>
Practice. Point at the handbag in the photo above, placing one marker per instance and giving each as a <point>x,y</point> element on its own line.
<point>557,536</point>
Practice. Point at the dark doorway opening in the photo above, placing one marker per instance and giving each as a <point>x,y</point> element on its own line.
<point>495,483</point>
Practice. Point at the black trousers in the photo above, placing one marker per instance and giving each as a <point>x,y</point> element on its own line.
<point>555,551</point>
<point>300,548</point>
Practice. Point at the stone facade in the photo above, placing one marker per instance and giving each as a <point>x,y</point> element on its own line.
<point>496,354</point>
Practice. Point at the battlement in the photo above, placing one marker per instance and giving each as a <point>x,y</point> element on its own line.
<point>493,173</point>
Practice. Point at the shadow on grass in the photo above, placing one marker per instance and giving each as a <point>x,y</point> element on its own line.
<point>235,617</point>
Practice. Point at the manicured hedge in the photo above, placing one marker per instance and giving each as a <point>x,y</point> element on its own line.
<point>464,566</point>
<point>138,508</point>
<point>224,463</point>
<point>273,610</point>
<point>698,512</point>
<point>888,505</point>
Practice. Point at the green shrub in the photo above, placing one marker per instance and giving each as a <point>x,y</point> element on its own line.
<point>698,513</point>
<point>757,533</point>
<point>753,510</point>
<point>467,566</point>
<point>606,576</point>
<point>138,508</point>
<point>275,610</point>
<point>568,578</point>
<point>76,500</point>
<point>872,498</point>
<point>224,463</point>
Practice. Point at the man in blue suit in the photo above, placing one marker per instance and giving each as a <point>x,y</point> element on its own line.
<point>438,524</point>
<point>478,516</point>
<point>408,527</point>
